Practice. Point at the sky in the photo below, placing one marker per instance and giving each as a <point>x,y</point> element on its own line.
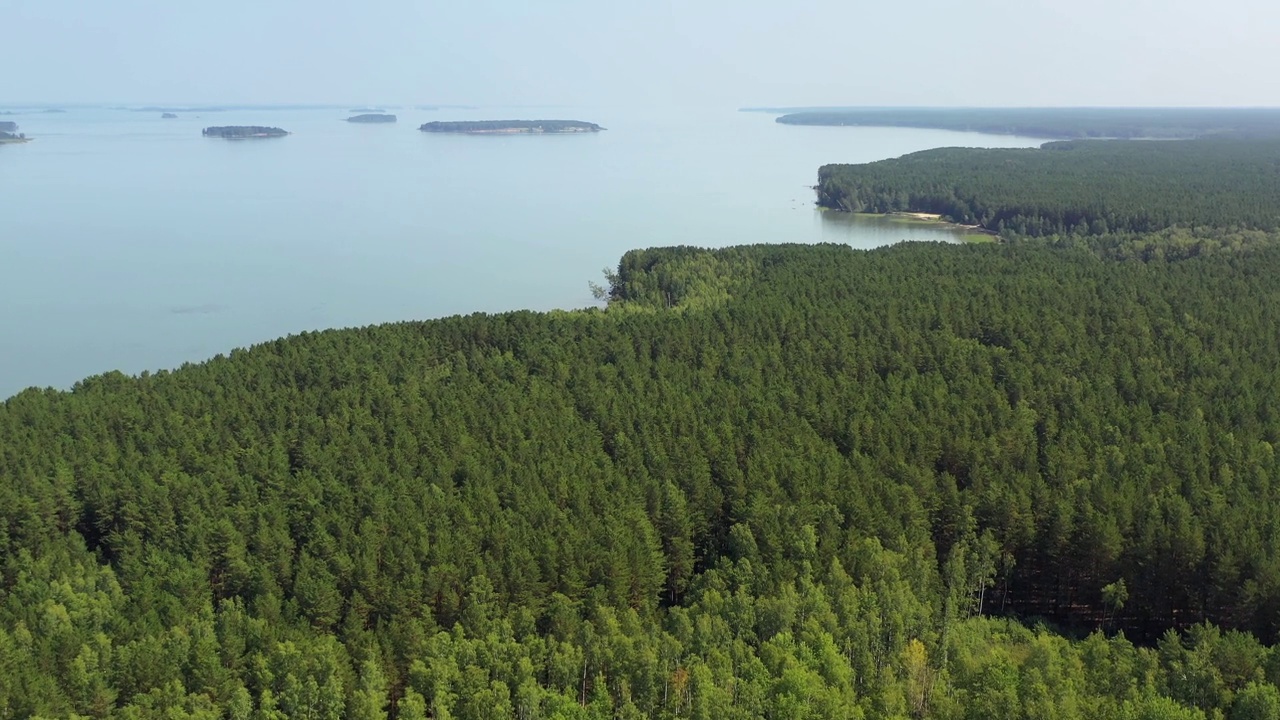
<point>630,53</point>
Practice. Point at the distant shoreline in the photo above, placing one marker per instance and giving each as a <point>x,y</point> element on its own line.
<point>1072,123</point>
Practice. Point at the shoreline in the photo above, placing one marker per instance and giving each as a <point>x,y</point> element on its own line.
<point>970,233</point>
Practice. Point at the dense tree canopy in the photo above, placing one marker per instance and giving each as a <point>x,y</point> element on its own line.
<point>766,482</point>
<point>1082,187</point>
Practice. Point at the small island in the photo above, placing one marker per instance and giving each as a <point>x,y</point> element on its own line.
<point>9,134</point>
<point>168,116</point>
<point>512,127</point>
<point>244,132</point>
<point>372,118</point>
<point>366,110</point>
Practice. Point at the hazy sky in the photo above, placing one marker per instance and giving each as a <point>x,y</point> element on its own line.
<point>606,52</point>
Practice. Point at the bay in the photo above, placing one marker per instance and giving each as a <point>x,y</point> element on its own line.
<point>130,242</point>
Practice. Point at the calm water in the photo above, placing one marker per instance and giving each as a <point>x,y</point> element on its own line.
<point>130,242</point>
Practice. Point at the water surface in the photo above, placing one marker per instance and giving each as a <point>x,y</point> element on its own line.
<point>131,242</point>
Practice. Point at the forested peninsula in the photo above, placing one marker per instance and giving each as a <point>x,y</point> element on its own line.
<point>1078,187</point>
<point>1057,123</point>
<point>243,132</point>
<point>511,127</point>
<point>1033,479</point>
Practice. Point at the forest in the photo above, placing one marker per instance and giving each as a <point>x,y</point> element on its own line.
<point>1057,123</point>
<point>1085,187</point>
<point>1035,479</point>
<point>1027,479</point>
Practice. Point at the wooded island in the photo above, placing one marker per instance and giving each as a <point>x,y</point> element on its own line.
<point>9,134</point>
<point>372,118</point>
<point>242,132</point>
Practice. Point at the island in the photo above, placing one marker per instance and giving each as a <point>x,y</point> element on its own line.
<point>9,134</point>
<point>372,118</point>
<point>511,127</point>
<point>168,116</point>
<point>366,110</point>
<point>244,132</point>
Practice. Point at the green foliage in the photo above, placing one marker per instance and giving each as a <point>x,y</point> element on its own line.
<point>1073,188</point>
<point>679,278</point>
<point>1257,701</point>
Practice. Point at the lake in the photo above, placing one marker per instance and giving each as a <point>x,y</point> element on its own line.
<point>131,242</point>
